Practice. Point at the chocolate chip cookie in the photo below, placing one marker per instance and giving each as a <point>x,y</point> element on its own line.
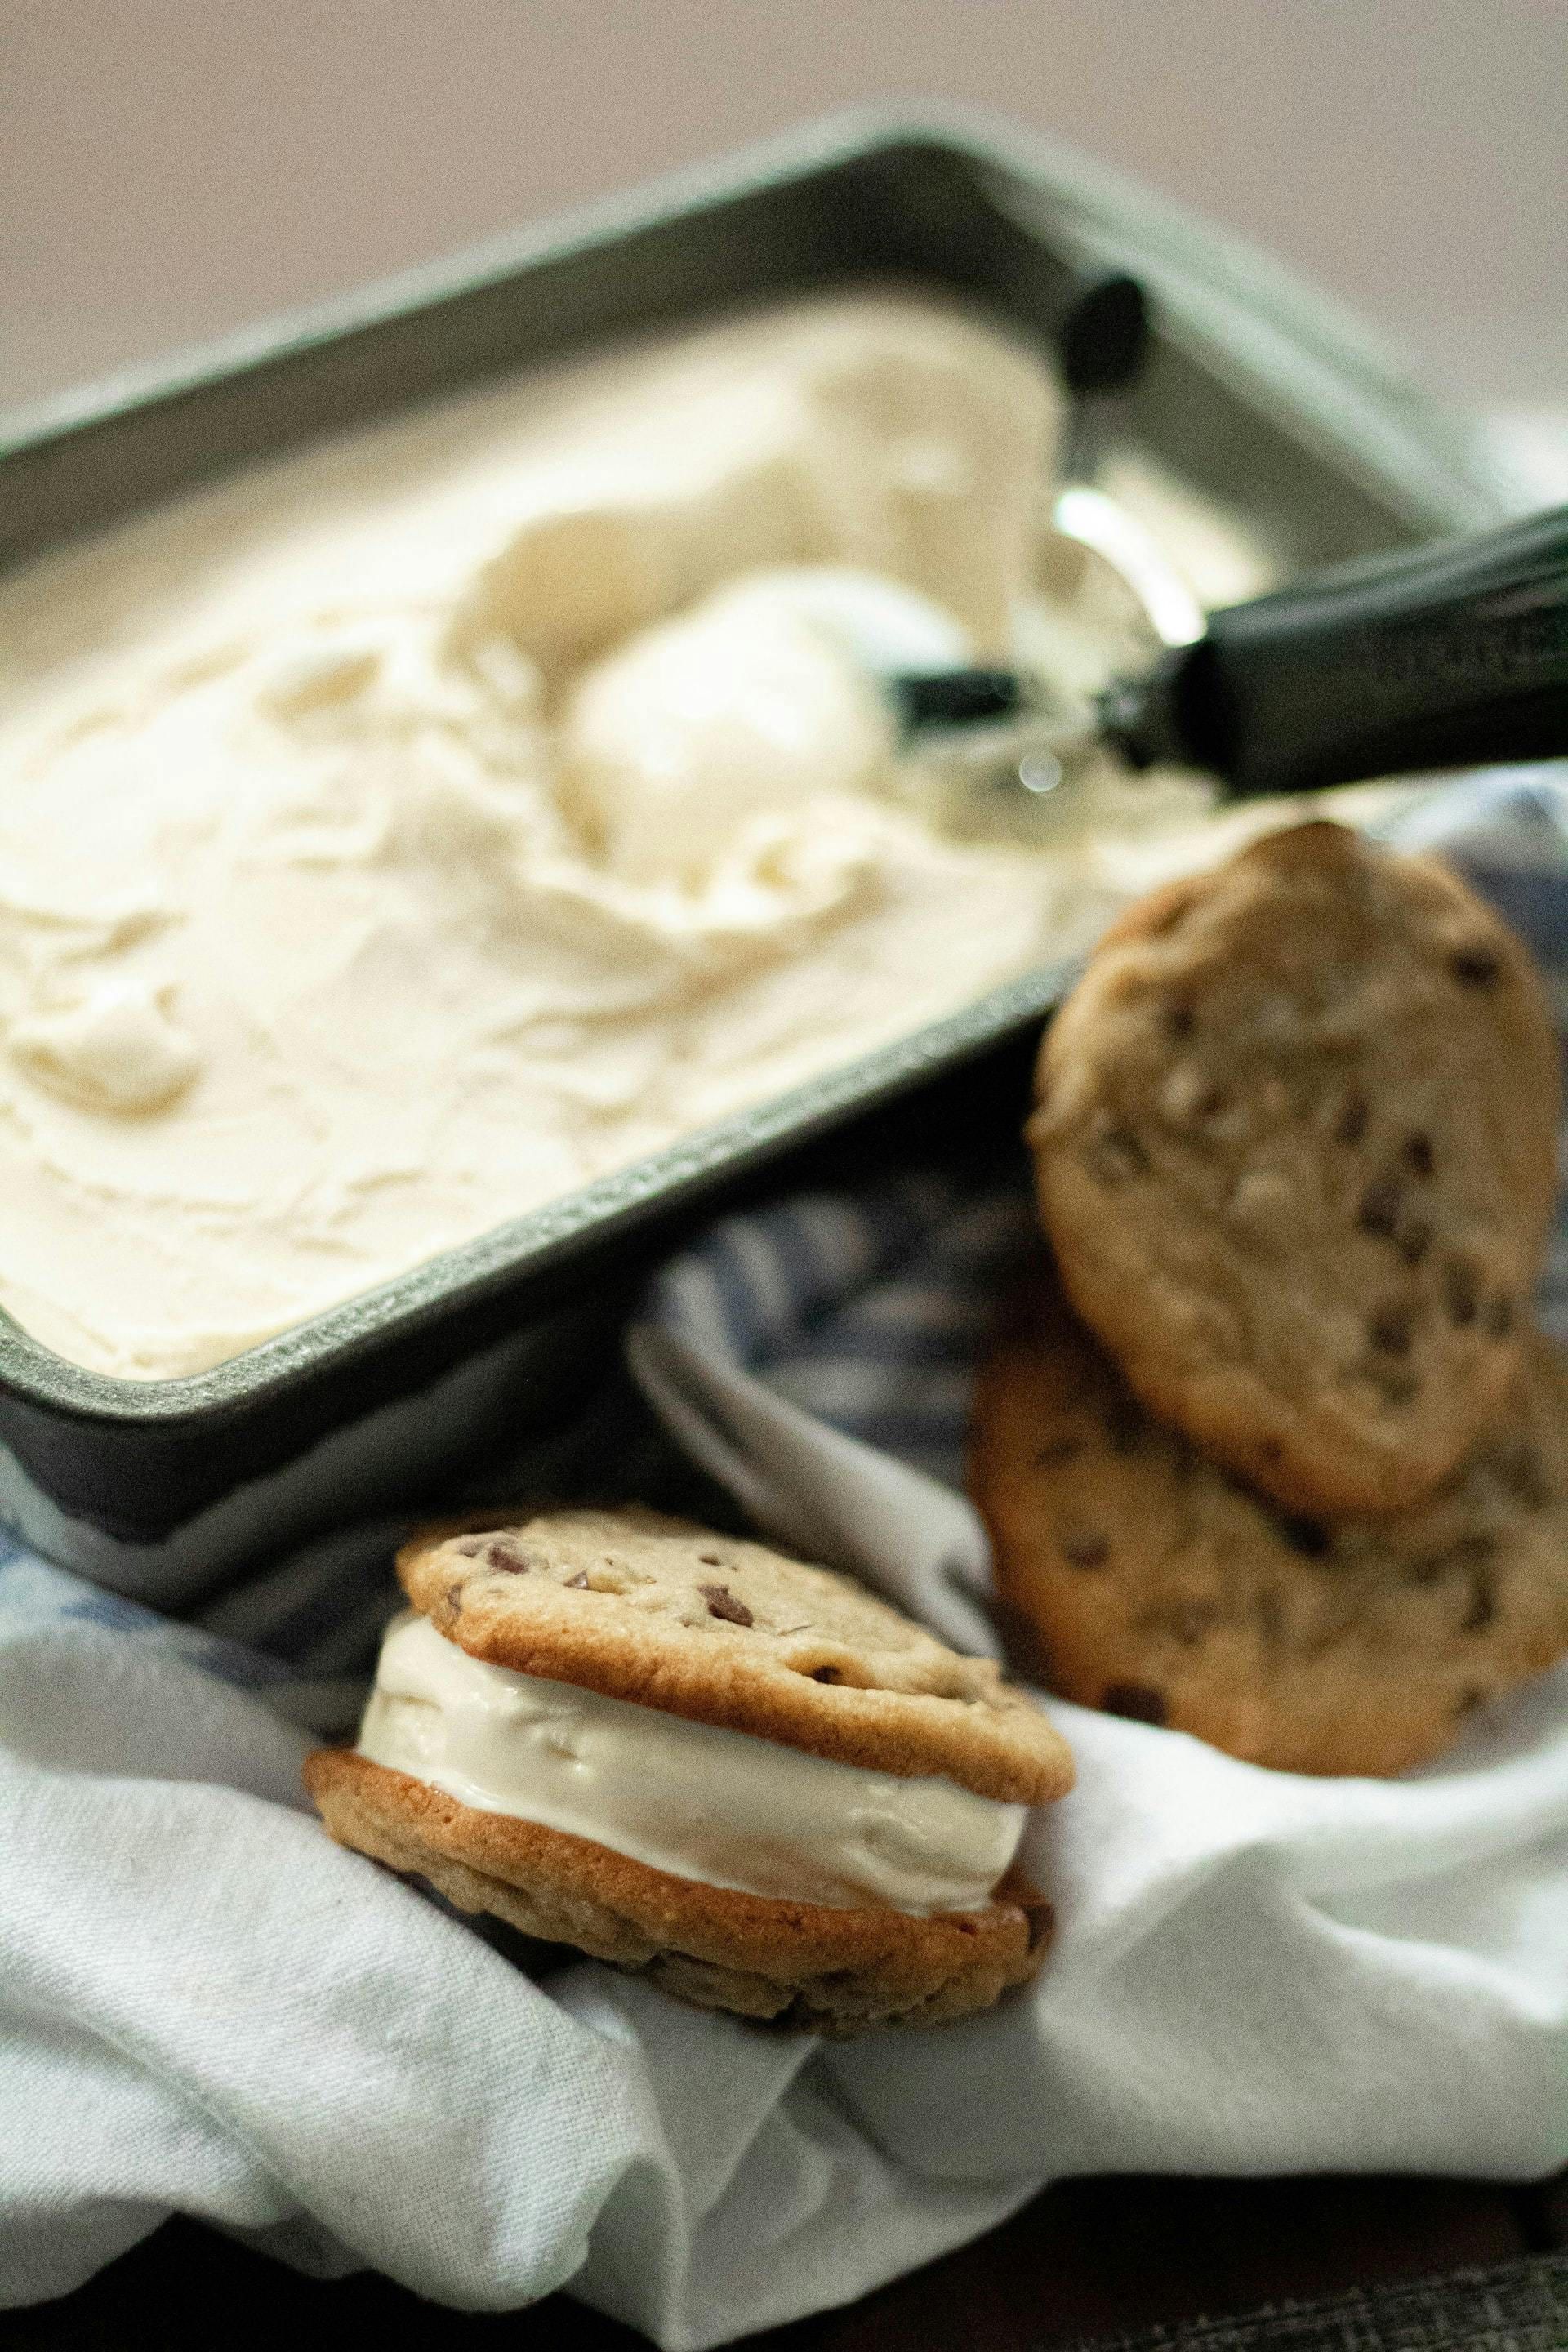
<point>641,1606</point>
<point>1158,1586</point>
<point>1296,1144</point>
<point>797,1965</point>
<point>691,1757</point>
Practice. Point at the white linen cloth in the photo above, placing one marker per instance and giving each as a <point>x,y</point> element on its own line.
<point>205,2006</point>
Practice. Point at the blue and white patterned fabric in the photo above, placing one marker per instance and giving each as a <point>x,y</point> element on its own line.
<point>205,2006</point>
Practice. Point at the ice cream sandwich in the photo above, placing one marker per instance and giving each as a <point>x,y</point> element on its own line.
<point>746,1779</point>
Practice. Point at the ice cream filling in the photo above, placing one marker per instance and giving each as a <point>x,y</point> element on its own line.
<point>699,1801</point>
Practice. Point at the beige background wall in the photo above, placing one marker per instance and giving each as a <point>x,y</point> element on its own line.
<point>169,168</point>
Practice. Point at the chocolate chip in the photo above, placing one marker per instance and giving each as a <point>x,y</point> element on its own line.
<point>1380,1207</point>
<point>824,1674</point>
<point>1419,1157</point>
<point>721,1602</point>
<point>1391,1329</point>
<point>1394,1385</point>
<point>1085,1549</point>
<point>1461,1292</point>
<point>578,1583</point>
<point>1413,1240</point>
<point>1309,1537</point>
<point>712,1559</point>
<point>1474,967</point>
<point>515,1559</point>
<point>1189,1621</point>
<point>1060,1449</point>
<point>1499,1316</point>
<point>1138,1702</point>
<point>1483,1602</point>
<point>1468,1556</point>
<point>1518,1469</point>
<point>1115,1154</point>
<point>1124,1424</point>
<point>1180,1022</point>
<point>1353,1120</point>
<point>500,1551</point>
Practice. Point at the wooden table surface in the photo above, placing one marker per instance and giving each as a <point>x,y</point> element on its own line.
<point>1090,2258</point>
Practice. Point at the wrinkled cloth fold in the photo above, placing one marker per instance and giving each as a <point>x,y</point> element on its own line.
<point>205,2006</point>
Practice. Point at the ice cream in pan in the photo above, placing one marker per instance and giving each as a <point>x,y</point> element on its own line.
<point>400,836</point>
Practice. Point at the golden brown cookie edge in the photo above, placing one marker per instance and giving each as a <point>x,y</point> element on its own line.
<point>835,1970</point>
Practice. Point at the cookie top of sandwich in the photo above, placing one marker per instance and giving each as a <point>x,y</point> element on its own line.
<point>721,1630</point>
<point>1296,1141</point>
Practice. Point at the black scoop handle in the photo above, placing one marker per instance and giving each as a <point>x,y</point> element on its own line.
<point>1437,656</point>
<point>1103,339</point>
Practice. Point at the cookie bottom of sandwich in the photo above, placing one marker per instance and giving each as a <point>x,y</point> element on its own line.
<point>802,1965</point>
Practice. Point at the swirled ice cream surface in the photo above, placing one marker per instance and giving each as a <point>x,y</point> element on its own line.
<point>395,838</point>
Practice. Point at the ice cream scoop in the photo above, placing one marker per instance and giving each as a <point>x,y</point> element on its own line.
<point>1425,658</point>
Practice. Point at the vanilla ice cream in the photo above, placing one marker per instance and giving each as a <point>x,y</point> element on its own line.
<point>688,1798</point>
<point>397,837</point>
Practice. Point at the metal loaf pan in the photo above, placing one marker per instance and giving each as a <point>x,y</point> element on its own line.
<point>1255,395</point>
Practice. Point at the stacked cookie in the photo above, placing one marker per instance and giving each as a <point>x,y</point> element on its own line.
<point>1276,1457</point>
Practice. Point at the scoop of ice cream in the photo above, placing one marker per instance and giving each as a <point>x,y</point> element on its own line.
<point>117,1050</point>
<point>742,710</point>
